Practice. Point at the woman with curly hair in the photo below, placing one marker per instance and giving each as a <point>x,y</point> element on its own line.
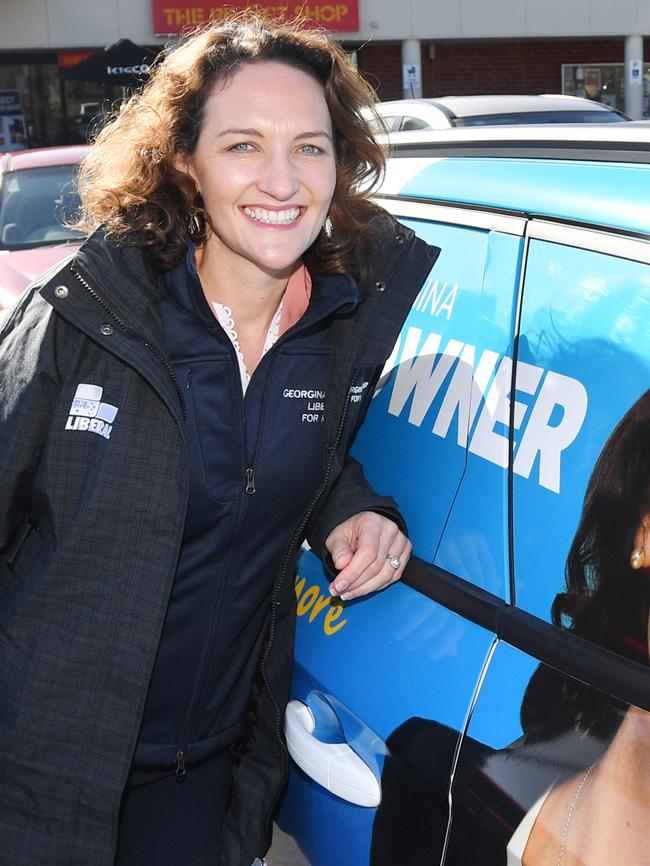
<point>178,400</point>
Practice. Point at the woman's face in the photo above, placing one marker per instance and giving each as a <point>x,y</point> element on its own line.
<point>265,167</point>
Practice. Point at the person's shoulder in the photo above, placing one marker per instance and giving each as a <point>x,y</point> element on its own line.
<point>379,226</point>
<point>387,236</point>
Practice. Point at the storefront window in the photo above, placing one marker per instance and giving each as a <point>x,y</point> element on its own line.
<point>37,85</point>
<point>87,105</point>
<point>603,82</point>
<point>54,112</point>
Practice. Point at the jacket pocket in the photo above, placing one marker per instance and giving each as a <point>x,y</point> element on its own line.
<point>19,537</point>
<point>214,431</point>
<point>28,557</point>
<point>29,551</point>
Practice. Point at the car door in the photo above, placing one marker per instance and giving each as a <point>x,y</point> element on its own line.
<point>551,762</point>
<point>367,671</point>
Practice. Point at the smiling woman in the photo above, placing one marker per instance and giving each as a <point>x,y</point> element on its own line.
<point>223,328</point>
<point>132,167</point>
<point>266,185</point>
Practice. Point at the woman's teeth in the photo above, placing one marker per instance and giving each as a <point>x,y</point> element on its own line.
<point>273,217</point>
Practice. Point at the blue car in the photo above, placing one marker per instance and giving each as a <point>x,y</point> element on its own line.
<point>494,707</point>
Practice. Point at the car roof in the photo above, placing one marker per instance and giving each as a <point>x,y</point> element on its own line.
<point>42,157</point>
<point>571,178</point>
<point>468,106</point>
<point>616,142</point>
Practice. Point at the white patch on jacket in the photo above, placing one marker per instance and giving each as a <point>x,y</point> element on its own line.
<point>88,413</point>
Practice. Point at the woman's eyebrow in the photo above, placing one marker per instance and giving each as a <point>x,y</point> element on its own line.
<point>321,133</point>
<point>235,131</point>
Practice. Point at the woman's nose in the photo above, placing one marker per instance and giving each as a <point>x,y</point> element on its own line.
<point>279,177</point>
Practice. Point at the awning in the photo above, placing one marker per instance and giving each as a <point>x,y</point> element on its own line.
<point>123,63</point>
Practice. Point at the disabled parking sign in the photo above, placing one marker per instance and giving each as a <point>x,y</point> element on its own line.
<point>412,79</point>
<point>635,72</point>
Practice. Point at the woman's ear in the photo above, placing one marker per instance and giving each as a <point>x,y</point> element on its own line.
<point>183,163</point>
<point>640,556</point>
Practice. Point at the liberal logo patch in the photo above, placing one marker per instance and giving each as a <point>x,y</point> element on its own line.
<point>88,413</point>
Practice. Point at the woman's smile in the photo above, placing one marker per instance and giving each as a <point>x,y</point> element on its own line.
<point>273,217</point>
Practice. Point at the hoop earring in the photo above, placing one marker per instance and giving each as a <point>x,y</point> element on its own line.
<point>328,227</point>
<point>195,225</point>
<point>636,559</point>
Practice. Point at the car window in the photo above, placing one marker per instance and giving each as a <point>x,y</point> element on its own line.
<point>457,334</point>
<point>474,544</point>
<point>414,123</point>
<point>391,121</point>
<point>580,485</point>
<point>405,410</point>
<point>516,117</point>
<point>35,203</point>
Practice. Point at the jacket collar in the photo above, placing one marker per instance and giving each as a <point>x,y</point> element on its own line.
<point>124,283</point>
<point>337,293</point>
<point>111,294</point>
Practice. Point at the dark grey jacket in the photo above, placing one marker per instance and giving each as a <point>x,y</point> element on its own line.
<point>92,505</point>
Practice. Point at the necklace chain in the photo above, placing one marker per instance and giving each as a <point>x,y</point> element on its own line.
<point>569,815</point>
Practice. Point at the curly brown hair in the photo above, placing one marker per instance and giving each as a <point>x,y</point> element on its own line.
<point>129,182</point>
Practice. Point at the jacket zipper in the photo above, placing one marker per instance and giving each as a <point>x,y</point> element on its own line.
<point>250,489</point>
<point>287,560</point>
<point>179,761</point>
<point>158,355</point>
<point>180,766</point>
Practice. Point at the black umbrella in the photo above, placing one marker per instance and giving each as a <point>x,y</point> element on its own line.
<point>123,63</point>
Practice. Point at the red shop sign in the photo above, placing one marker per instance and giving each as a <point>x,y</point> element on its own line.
<point>178,16</point>
<point>71,58</point>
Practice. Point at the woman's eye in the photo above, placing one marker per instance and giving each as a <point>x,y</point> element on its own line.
<point>241,147</point>
<point>311,149</point>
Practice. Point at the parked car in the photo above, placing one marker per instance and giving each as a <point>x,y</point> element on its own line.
<point>37,196</point>
<point>498,698</point>
<point>409,115</point>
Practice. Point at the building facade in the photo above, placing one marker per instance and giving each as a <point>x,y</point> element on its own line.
<point>425,48</point>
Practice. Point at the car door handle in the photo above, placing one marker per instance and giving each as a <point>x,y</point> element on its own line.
<point>334,765</point>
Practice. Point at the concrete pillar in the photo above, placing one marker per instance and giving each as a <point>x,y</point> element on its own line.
<point>411,69</point>
<point>634,77</point>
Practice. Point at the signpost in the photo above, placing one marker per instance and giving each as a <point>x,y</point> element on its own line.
<point>12,121</point>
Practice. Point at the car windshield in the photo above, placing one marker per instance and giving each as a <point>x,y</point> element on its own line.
<point>516,117</point>
<point>34,205</point>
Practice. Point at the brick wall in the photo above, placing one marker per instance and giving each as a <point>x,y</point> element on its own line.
<point>487,67</point>
<point>381,63</point>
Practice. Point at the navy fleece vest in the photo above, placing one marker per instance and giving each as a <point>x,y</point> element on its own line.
<point>255,462</point>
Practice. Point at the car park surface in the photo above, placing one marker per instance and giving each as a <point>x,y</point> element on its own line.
<point>37,195</point>
<point>448,719</point>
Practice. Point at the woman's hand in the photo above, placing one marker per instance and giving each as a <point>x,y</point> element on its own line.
<point>362,548</point>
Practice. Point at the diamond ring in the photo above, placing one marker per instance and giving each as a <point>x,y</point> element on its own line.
<point>395,561</point>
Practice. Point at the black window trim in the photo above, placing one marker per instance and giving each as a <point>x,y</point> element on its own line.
<point>600,151</point>
<point>567,653</point>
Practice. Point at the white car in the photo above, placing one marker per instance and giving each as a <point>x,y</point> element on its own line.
<point>407,115</point>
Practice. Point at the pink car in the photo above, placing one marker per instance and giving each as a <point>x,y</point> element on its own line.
<point>37,195</point>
